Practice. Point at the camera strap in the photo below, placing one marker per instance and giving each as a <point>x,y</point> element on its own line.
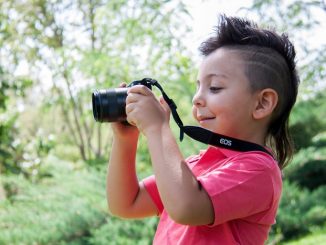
<point>206,136</point>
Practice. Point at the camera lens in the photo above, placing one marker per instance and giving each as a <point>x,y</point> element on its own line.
<point>109,105</point>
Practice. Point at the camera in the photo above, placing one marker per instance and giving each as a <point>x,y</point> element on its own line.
<point>109,104</point>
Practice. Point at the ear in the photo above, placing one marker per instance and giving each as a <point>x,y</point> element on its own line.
<point>266,102</point>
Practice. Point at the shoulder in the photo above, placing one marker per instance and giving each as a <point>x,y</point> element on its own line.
<point>249,180</point>
<point>248,166</point>
<point>258,166</point>
<point>254,160</point>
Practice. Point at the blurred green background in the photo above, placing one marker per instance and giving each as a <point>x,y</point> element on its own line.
<point>53,156</point>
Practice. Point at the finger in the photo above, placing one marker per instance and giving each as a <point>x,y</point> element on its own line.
<point>131,122</point>
<point>129,108</point>
<point>164,104</point>
<point>122,85</point>
<point>130,112</point>
<point>133,97</point>
<point>140,89</point>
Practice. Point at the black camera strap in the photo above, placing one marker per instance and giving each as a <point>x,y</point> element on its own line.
<point>206,136</point>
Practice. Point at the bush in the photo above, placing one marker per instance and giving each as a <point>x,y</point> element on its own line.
<point>300,211</point>
<point>303,132</point>
<point>67,207</point>
<point>308,120</point>
<point>309,175</point>
<point>318,237</point>
<point>124,232</point>
<point>61,208</point>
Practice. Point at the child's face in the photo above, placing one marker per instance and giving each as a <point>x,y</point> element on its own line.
<point>223,102</point>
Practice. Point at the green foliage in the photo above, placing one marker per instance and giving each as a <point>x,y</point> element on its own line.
<point>59,208</point>
<point>300,211</point>
<point>125,232</point>
<point>308,127</point>
<point>308,120</point>
<point>11,149</point>
<point>317,237</point>
<point>108,42</point>
<point>67,207</point>
<point>309,175</point>
<point>7,121</point>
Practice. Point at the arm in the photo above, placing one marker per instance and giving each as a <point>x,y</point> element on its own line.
<point>126,197</point>
<point>183,198</point>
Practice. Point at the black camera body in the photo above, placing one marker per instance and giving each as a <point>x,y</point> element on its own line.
<point>109,104</point>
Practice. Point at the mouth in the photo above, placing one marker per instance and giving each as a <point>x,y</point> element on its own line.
<point>205,119</point>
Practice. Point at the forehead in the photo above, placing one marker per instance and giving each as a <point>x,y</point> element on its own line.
<point>223,61</point>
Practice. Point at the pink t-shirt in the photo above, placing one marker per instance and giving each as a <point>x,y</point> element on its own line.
<point>245,189</point>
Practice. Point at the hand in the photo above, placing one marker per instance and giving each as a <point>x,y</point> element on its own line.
<point>144,110</point>
<point>123,130</point>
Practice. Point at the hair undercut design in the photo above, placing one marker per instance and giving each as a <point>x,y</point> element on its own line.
<point>269,61</point>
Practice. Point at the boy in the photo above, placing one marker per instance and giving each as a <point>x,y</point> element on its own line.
<point>246,87</point>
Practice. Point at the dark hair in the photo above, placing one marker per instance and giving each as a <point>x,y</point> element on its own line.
<point>269,63</point>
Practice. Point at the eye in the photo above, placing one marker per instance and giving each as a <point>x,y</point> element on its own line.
<point>215,89</point>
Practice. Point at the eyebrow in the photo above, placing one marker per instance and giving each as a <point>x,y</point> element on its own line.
<point>214,75</point>
<point>217,75</point>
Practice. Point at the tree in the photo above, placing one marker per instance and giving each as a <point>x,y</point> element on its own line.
<point>89,44</point>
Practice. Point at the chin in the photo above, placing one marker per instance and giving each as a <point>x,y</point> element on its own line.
<point>215,130</point>
<point>212,129</point>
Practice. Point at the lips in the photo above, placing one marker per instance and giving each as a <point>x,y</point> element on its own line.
<point>203,119</point>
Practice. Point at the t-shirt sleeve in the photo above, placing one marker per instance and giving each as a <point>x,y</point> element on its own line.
<point>151,188</point>
<point>239,189</point>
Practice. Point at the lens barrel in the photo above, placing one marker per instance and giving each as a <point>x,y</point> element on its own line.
<point>109,105</point>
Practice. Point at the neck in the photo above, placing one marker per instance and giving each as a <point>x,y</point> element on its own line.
<point>254,134</point>
<point>257,136</point>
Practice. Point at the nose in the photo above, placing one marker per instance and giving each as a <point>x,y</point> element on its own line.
<point>198,99</point>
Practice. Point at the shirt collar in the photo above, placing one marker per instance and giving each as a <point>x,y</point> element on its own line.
<point>228,152</point>
<point>225,152</point>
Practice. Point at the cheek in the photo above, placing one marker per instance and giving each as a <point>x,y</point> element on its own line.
<point>194,111</point>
